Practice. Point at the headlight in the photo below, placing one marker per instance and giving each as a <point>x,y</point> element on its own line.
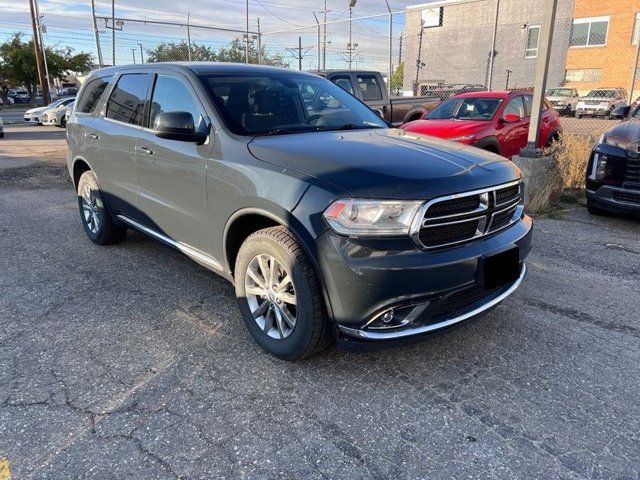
<point>463,138</point>
<point>599,167</point>
<point>357,217</point>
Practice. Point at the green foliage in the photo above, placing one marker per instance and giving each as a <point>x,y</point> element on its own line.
<point>18,62</point>
<point>397,78</point>
<point>234,52</point>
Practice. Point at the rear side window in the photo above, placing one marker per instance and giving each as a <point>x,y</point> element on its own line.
<point>344,83</point>
<point>127,101</point>
<point>369,87</point>
<point>92,93</point>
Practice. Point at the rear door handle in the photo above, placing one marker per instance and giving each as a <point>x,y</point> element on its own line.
<point>95,136</point>
<point>146,150</point>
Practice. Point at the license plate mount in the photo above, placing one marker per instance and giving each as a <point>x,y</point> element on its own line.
<point>501,268</point>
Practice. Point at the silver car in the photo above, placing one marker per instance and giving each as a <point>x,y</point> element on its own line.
<point>563,100</point>
<point>601,102</point>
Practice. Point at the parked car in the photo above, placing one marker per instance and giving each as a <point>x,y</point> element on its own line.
<point>328,222</point>
<point>497,121</point>
<point>613,171</point>
<point>370,87</point>
<point>35,115</point>
<point>1,128</point>
<point>10,101</point>
<point>563,100</point>
<point>601,102</point>
<point>68,92</point>
<point>53,116</point>
<point>63,115</point>
<point>19,96</point>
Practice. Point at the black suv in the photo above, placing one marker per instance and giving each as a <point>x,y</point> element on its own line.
<point>328,222</point>
<point>613,171</point>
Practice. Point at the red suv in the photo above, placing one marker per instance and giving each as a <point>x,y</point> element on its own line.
<point>494,121</point>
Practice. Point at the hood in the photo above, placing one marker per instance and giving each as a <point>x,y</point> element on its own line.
<point>37,110</point>
<point>445,128</point>
<point>386,163</point>
<point>627,132</point>
<point>557,98</point>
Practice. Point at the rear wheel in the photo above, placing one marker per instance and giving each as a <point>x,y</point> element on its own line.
<point>96,220</point>
<point>279,295</point>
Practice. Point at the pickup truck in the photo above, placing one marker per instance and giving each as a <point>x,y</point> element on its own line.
<point>370,87</point>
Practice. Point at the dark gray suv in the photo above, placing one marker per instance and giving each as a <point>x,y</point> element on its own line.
<point>330,224</point>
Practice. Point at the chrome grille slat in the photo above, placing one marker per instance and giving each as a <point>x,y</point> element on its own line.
<point>497,208</point>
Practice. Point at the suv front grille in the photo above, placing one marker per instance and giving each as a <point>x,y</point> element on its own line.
<point>632,173</point>
<point>459,218</point>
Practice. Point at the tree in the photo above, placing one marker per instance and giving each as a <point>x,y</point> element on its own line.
<point>397,79</point>
<point>234,52</point>
<point>18,63</point>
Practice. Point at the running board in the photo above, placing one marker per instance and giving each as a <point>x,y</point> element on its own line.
<point>195,254</point>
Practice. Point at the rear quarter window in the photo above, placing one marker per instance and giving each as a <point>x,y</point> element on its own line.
<point>92,94</point>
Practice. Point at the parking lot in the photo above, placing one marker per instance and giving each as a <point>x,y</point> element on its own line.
<point>132,361</point>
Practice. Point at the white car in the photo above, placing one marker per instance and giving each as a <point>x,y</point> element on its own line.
<point>35,115</point>
<point>63,114</point>
<point>601,102</point>
<point>54,115</point>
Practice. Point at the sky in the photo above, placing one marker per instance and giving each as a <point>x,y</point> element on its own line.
<point>68,23</point>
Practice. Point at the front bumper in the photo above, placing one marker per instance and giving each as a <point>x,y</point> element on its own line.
<point>595,110</point>
<point>365,278</point>
<point>615,199</point>
<point>562,109</point>
<point>32,119</point>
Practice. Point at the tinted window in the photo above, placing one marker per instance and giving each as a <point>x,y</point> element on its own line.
<point>344,83</point>
<point>171,95</point>
<point>514,107</point>
<point>126,103</point>
<point>369,87</point>
<point>280,104</point>
<point>92,93</point>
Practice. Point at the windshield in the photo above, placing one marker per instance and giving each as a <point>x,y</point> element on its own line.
<point>477,108</point>
<point>603,93</point>
<point>560,92</point>
<point>57,102</point>
<point>278,104</point>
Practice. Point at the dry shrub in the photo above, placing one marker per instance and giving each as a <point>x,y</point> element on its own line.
<point>571,154</point>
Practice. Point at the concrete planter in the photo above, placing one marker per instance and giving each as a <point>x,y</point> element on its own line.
<point>542,184</point>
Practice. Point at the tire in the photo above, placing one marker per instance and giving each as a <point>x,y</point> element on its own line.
<point>595,210</point>
<point>63,122</point>
<point>578,116</point>
<point>278,251</point>
<point>94,215</point>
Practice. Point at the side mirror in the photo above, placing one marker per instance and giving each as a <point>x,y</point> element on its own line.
<point>511,118</point>
<point>177,126</point>
<point>621,112</point>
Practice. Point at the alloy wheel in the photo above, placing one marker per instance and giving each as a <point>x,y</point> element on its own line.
<point>90,209</point>
<point>271,296</point>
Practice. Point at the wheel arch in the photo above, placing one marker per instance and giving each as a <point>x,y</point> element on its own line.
<point>414,114</point>
<point>490,144</point>
<point>79,166</point>
<point>248,220</point>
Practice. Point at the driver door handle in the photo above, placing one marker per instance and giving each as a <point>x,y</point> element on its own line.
<point>95,136</point>
<point>146,150</point>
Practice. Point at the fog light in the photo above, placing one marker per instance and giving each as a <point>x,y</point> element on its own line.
<point>396,317</point>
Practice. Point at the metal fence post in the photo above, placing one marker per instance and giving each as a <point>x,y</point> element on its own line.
<point>95,33</point>
<point>390,47</point>
<point>542,69</point>
<point>314,16</point>
<point>259,42</point>
<point>113,32</point>
<point>246,18</point>
<point>189,35</point>
<point>634,72</point>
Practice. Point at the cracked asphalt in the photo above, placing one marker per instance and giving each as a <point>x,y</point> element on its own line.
<point>131,361</point>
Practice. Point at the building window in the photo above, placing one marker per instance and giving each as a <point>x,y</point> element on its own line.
<point>583,75</point>
<point>636,30</point>
<point>533,39</point>
<point>589,32</point>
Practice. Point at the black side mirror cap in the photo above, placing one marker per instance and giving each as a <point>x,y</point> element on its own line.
<point>178,126</point>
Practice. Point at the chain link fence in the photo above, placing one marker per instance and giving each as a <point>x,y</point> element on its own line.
<point>434,49</point>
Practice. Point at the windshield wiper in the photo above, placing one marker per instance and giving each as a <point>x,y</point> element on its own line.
<point>287,130</point>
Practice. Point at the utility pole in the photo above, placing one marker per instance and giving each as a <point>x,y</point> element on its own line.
<point>41,29</point>
<point>133,53</point>
<point>113,32</point>
<point>492,54</point>
<point>246,18</point>
<point>95,33</point>
<point>350,46</point>
<point>314,16</point>
<point>400,51</point>
<point>189,35</point>
<point>324,36</point>
<point>298,52</point>
<point>259,42</point>
<point>419,62</point>
<point>141,54</point>
<point>38,51</point>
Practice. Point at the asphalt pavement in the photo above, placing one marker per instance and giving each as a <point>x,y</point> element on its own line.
<point>131,361</point>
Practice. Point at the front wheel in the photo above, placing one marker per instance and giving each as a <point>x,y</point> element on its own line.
<point>96,220</point>
<point>279,295</point>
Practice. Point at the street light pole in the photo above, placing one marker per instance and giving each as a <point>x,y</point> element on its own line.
<point>246,18</point>
<point>113,32</point>
<point>141,54</point>
<point>350,48</point>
